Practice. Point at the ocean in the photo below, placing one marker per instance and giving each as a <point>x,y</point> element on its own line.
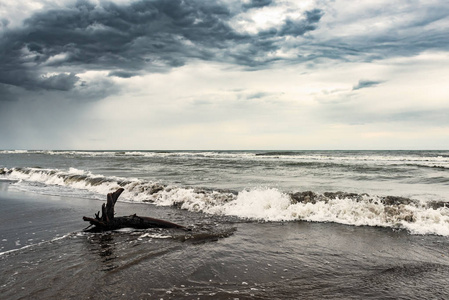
<point>262,225</point>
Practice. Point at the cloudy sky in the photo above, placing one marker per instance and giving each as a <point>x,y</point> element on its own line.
<point>197,74</point>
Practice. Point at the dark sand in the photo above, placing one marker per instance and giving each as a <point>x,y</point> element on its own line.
<point>221,258</point>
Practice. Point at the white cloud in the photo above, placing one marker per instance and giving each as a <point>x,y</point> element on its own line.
<point>205,106</point>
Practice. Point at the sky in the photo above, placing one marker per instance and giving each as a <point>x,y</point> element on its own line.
<point>229,75</point>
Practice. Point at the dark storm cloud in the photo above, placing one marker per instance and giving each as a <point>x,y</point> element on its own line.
<point>366,84</point>
<point>257,4</point>
<point>123,74</point>
<point>407,33</point>
<point>290,27</point>
<point>53,46</point>
<point>61,82</point>
<point>297,28</point>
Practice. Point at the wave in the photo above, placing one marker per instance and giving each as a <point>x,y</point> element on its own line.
<point>259,204</point>
<point>432,166</point>
<point>278,153</point>
<point>14,151</point>
<point>426,157</point>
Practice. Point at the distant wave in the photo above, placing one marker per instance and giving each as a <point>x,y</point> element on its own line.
<point>262,204</point>
<point>433,166</point>
<point>381,156</point>
<point>357,161</point>
<point>278,153</point>
<point>13,151</point>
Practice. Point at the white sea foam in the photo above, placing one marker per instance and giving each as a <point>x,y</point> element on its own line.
<point>154,236</point>
<point>257,204</point>
<point>13,151</point>
<point>265,204</point>
<point>273,205</point>
<point>126,230</point>
<point>76,171</point>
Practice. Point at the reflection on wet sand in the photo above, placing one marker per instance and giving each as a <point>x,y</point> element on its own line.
<point>104,245</point>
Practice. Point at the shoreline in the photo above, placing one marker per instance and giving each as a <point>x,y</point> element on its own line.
<point>221,258</point>
<point>27,219</point>
<point>258,261</point>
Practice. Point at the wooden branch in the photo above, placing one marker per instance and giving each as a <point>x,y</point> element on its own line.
<point>159,223</point>
<point>104,215</point>
<point>107,221</point>
<point>94,222</point>
<point>110,203</point>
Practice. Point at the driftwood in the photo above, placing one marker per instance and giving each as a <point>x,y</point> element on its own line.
<point>108,221</point>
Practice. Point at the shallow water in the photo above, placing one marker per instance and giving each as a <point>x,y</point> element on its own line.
<point>312,261</point>
<point>220,258</point>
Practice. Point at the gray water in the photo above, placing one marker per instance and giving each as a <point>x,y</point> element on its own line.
<point>46,255</point>
<point>402,173</point>
<point>396,189</point>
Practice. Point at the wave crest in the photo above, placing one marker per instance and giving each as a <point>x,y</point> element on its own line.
<point>262,204</point>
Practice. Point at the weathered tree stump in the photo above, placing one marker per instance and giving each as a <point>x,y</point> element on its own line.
<point>107,221</point>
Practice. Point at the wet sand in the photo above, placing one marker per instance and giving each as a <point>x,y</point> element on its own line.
<point>221,258</point>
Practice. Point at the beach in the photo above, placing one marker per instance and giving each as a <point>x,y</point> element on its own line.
<point>218,259</point>
<point>46,255</point>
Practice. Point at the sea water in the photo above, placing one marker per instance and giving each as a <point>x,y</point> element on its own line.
<point>262,225</point>
<point>347,187</point>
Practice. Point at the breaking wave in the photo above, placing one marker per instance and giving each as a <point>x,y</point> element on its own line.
<point>260,204</point>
